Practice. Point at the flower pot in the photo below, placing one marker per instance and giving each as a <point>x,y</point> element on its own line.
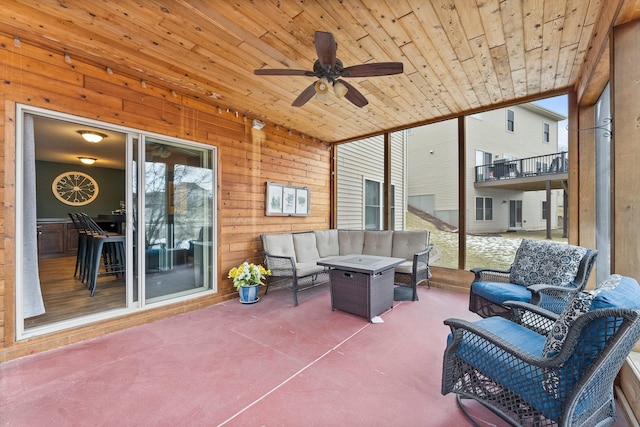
<point>248,294</point>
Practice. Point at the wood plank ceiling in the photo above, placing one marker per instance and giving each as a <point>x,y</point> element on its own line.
<point>458,55</point>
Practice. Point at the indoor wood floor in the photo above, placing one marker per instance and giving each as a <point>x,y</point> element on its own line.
<point>65,297</point>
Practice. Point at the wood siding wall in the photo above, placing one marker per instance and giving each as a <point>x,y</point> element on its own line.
<point>247,159</point>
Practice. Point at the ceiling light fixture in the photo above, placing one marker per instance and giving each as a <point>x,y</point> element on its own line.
<point>88,160</point>
<point>322,89</point>
<point>91,136</point>
<point>257,124</point>
<point>340,89</point>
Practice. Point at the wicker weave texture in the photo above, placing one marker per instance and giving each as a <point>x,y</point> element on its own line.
<point>510,381</point>
<point>361,294</point>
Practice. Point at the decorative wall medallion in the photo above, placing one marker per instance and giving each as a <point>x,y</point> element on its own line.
<point>75,188</point>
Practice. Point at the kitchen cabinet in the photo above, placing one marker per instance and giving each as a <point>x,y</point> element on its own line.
<point>56,239</point>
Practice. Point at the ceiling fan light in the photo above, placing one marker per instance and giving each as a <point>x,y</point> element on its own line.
<point>91,136</point>
<point>322,86</point>
<point>340,89</point>
<point>324,97</point>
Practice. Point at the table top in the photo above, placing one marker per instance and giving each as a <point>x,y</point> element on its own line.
<point>370,264</point>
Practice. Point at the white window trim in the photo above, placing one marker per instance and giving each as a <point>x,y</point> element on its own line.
<point>364,202</point>
<point>506,121</point>
<point>549,125</point>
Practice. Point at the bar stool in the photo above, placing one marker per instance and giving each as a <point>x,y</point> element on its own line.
<point>81,254</point>
<point>109,247</point>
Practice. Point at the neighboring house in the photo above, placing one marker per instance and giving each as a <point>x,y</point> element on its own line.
<point>360,177</point>
<point>495,139</point>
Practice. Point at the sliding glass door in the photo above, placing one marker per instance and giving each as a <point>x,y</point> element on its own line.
<point>148,202</point>
<point>178,200</point>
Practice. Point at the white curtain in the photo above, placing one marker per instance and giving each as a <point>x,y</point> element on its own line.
<point>32,304</point>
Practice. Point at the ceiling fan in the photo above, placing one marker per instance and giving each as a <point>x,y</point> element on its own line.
<point>330,72</point>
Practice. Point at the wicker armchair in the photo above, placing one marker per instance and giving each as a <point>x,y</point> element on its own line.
<point>562,378</point>
<point>543,273</point>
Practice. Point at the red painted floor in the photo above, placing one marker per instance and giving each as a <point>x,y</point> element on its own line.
<point>266,364</point>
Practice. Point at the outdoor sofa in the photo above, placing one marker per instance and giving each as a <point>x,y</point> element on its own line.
<point>292,257</point>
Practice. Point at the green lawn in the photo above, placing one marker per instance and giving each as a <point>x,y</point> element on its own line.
<point>482,251</point>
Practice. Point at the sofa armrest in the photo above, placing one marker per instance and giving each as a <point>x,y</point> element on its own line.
<point>280,266</point>
<point>421,257</point>
<point>491,275</point>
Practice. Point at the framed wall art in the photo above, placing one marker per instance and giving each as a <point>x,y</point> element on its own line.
<point>287,200</point>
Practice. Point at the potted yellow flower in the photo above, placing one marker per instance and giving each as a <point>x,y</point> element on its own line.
<point>246,279</point>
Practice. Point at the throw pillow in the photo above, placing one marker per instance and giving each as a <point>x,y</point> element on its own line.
<point>551,263</point>
<point>580,304</point>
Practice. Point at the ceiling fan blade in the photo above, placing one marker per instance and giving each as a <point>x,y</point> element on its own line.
<point>305,96</point>
<point>372,70</point>
<point>283,72</point>
<point>354,96</point>
<point>326,49</point>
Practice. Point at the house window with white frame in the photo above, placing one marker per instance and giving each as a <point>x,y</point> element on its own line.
<point>372,205</point>
<point>545,132</point>
<point>484,208</point>
<point>510,120</point>
<point>544,209</point>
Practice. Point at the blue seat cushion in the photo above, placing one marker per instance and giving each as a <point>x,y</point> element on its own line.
<point>507,370</point>
<point>499,292</point>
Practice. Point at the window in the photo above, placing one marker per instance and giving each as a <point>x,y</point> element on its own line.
<point>544,209</point>
<point>510,121</point>
<point>484,208</point>
<point>545,132</point>
<point>392,226</point>
<point>372,205</point>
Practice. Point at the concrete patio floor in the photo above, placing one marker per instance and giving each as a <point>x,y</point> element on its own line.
<point>265,364</point>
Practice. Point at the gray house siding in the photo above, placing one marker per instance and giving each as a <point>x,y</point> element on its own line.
<point>363,160</point>
<point>433,161</point>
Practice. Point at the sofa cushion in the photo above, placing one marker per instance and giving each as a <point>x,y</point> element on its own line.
<point>541,261</point>
<point>327,241</point>
<point>304,269</point>
<point>407,243</point>
<point>407,267</point>
<point>305,247</point>
<point>279,244</point>
<point>378,243</point>
<point>351,242</point>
